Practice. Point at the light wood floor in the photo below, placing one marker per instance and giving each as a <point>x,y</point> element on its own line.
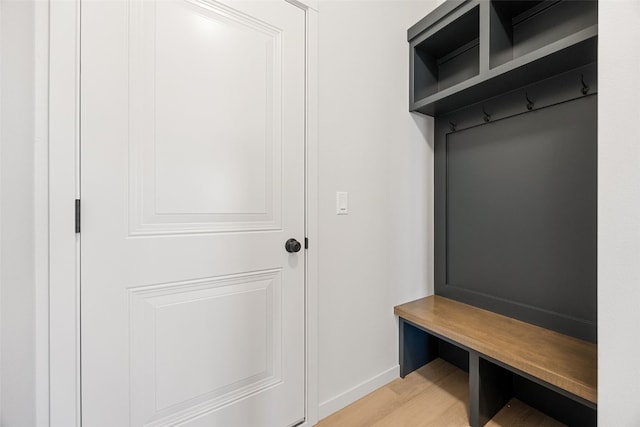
<point>434,395</point>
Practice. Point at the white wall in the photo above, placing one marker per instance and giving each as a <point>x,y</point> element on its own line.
<point>17,312</point>
<point>618,213</point>
<point>370,146</point>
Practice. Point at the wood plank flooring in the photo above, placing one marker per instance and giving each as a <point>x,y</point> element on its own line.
<point>435,395</point>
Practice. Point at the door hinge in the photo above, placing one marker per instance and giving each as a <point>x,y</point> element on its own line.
<point>306,243</point>
<point>77,215</point>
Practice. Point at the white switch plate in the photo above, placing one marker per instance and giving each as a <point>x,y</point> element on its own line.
<point>342,203</point>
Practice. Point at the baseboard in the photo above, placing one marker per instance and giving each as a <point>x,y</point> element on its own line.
<point>349,396</point>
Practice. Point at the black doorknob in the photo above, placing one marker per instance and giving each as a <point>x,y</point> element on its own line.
<point>292,245</point>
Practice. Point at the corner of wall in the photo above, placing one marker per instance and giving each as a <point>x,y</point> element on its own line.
<point>618,212</point>
<point>381,253</point>
<point>356,392</point>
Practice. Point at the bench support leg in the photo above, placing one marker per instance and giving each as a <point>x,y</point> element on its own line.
<point>417,348</point>
<point>490,388</point>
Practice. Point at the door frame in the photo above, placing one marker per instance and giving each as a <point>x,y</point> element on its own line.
<point>60,186</point>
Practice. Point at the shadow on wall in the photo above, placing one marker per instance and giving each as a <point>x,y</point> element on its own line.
<point>425,126</point>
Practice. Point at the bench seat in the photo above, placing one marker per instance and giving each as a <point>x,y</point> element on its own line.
<point>558,361</point>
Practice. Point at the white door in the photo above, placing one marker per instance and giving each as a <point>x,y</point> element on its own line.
<point>192,160</point>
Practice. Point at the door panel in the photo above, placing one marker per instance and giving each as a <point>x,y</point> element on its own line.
<point>192,160</point>
<point>189,114</point>
<point>170,321</point>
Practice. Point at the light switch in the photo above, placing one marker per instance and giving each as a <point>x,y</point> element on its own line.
<point>342,203</point>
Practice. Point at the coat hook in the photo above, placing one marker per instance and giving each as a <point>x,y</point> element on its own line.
<point>529,102</point>
<point>452,126</point>
<point>585,88</point>
<point>487,116</point>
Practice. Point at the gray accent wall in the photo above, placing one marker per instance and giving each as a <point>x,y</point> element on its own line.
<point>516,203</point>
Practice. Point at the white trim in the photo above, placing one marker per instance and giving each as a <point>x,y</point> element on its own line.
<point>312,218</point>
<point>64,307</point>
<point>1,199</point>
<point>311,209</point>
<point>347,397</point>
<point>63,186</point>
<point>41,211</point>
<point>305,4</point>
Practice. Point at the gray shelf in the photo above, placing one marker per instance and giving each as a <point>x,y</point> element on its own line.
<point>521,27</point>
<point>448,56</point>
<point>475,50</point>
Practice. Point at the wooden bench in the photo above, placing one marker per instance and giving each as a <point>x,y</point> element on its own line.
<point>506,358</point>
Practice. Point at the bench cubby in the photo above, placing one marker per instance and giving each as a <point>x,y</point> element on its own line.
<point>505,358</point>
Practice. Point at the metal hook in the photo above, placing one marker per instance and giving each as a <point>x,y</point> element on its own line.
<point>585,88</point>
<point>529,102</point>
<point>487,116</point>
<point>452,126</point>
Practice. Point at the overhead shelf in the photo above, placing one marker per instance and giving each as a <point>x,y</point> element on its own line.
<point>457,61</point>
